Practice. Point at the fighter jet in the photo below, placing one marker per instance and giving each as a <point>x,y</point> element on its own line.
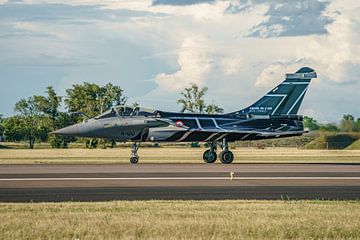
<point>272,116</point>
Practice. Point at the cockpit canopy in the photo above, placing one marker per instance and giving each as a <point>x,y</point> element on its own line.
<point>124,110</point>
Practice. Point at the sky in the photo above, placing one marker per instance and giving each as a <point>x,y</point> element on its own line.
<point>239,49</point>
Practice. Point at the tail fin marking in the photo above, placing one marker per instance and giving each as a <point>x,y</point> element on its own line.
<point>284,99</point>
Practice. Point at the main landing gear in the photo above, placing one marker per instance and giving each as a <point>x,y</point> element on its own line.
<point>226,156</point>
<point>209,155</point>
<point>134,159</point>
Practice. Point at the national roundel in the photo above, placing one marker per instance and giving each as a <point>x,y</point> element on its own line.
<point>179,123</point>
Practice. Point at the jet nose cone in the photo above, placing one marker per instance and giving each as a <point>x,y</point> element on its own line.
<point>73,130</point>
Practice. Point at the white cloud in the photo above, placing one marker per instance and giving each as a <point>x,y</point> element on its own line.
<point>338,53</point>
<point>288,18</point>
<point>231,65</point>
<point>129,4</point>
<point>194,63</point>
<point>274,73</point>
<point>39,28</point>
<point>204,43</point>
<point>335,56</point>
<point>268,31</point>
<point>201,12</point>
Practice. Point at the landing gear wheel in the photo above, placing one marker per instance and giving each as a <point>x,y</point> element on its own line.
<point>226,157</point>
<point>134,160</point>
<point>209,156</point>
<point>134,156</point>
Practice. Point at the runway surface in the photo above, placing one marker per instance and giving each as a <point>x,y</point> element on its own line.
<point>23,183</point>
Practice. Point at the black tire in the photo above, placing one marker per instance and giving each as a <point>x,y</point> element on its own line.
<point>226,157</point>
<point>209,156</point>
<point>134,160</point>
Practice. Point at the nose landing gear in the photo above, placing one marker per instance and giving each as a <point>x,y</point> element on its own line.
<point>134,159</point>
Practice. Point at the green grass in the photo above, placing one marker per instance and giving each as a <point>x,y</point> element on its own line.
<point>182,220</point>
<point>354,146</point>
<point>174,155</point>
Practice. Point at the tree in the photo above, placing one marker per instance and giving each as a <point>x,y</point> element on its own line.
<point>33,125</point>
<point>347,123</point>
<point>193,101</point>
<point>27,107</point>
<point>310,123</point>
<point>329,127</point>
<point>213,109</point>
<point>113,95</point>
<point>357,125</point>
<point>17,128</point>
<point>92,99</point>
<point>49,105</point>
<point>13,128</point>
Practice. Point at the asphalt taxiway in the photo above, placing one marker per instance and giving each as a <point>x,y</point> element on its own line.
<point>24,183</point>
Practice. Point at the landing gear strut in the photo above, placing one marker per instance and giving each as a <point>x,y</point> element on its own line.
<point>209,155</point>
<point>134,159</point>
<point>226,156</point>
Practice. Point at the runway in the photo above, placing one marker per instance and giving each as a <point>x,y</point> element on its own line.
<point>24,183</point>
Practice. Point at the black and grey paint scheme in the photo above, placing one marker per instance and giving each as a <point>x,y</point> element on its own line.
<point>272,116</point>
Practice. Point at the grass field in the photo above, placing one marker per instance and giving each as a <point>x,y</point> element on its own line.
<point>354,145</point>
<point>181,220</point>
<point>174,155</point>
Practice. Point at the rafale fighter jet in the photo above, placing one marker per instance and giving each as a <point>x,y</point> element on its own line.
<point>272,116</point>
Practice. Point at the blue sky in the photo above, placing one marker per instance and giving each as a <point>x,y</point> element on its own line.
<point>153,49</point>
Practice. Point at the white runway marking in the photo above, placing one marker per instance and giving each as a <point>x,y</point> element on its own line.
<point>178,178</point>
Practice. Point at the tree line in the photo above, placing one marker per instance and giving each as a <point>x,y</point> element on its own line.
<point>38,115</point>
<point>347,124</point>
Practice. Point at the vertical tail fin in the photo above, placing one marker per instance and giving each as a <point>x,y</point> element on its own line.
<point>284,99</point>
